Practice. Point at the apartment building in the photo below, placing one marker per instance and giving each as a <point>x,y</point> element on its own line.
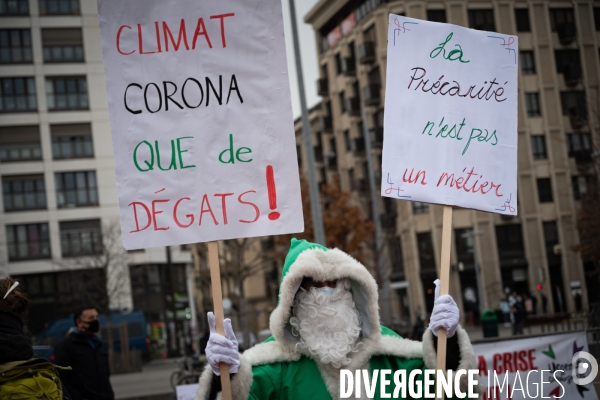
<point>59,196</point>
<point>559,73</point>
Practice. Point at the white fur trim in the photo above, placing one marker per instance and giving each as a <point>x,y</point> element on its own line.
<point>268,353</point>
<point>324,265</point>
<point>240,382</point>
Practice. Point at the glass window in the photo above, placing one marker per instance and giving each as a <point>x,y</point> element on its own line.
<point>23,192</point>
<point>597,18</point>
<point>347,140</point>
<point>338,63</point>
<point>17,95</point>
<point>14,7</point>
<point>59,7</point>
<point>544,190</point>
<point>560,17</point>
<point>76,189</point>
<point>532,102</point>
<point>351,179</point>
<point>395,248</point>
<point>574,104</point>
<point>567,59</point>
<point>420,208</point>
<point>436,15</point>
<point>527,62</point>
<point>426,253</point>
<point>509,239</point>
<point>28,241</point>
<point>72,141</point>
<point>538,147</point>
<point>522,18</point>
<point>342,98</point>
<point>80,238</point>
<point>62,45</point>
<point>20,143</point>
<point>482,20</point>
<point>66,93</point>
<point>15,46</point>
<point>578,143</point>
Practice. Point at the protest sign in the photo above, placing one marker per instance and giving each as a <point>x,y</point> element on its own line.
<point>535,368</point>
<point>201,120</point>
<point>450,116</point>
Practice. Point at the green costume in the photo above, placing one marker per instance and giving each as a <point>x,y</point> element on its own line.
<point>275,369</point>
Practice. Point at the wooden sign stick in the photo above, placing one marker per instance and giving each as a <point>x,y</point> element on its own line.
<point>215,279</point>
<point>444,284</point>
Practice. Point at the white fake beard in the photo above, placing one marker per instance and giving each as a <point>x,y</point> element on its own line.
<point>328,326</point>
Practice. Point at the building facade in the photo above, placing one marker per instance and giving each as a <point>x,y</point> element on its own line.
<point>559,73</point>
<point>59,200</point>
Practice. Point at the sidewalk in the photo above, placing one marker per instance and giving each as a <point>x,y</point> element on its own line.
<point>505,332</point>
<point>151,383</point>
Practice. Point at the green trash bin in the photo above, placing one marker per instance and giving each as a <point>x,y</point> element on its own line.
<point>489,321</point>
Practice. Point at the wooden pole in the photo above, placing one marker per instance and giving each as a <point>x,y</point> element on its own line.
<point>215,279</point>
<point>444,283</point>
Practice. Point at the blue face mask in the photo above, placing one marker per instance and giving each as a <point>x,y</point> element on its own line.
<point>327,291</point>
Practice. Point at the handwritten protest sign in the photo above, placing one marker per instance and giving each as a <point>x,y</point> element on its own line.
<point>201,120</point>
<point>450,116</point>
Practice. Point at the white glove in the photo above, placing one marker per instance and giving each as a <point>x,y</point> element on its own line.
<point>222,349</point>
<point>445,313</point>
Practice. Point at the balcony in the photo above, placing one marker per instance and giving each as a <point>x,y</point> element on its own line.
<point>349,66</point>
<point>326,124</point>
<point>323,87</point>
<point>377,136</point>
<point>353,106</point>
<point>366,53</point>
<point>566,33</point>
<point>372,95</point>
<point>572,74</point>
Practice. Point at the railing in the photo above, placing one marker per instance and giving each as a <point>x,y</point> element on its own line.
<point>20,152</point>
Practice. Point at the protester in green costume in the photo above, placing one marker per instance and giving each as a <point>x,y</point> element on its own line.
<point>327,319</point>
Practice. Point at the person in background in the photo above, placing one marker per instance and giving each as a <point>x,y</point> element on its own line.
<point>505,308</point>
<point>519,316</point>
<point>544,303</point>
<point>14,345</point>
<point>85,352</point>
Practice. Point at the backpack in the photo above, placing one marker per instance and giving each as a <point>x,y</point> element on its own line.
<point>35,378</point>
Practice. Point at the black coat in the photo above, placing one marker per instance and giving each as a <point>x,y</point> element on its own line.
<point>14,345</point>
<point>88,357</point>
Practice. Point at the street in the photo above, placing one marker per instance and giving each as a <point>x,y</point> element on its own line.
<point>151,383</point>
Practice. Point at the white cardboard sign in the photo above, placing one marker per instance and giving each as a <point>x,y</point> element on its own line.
<point>450,123</point>
<point>201,120</point>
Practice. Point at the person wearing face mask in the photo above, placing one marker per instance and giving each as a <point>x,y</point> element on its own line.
<point>326,320</point>
<point>87,355</point>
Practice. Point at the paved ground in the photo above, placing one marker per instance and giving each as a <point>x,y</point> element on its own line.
<point>150,384</point>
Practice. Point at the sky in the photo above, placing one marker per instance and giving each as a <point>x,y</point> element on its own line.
<point>308,54</point>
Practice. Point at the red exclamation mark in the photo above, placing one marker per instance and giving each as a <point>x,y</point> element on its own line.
<point>272,193</point>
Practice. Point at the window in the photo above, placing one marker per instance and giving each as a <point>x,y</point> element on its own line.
<point>544,190</point>
<point>580,185</point>
<point>538,147</point>
<point>338,63</point>
<point>436,15</point>
<point>17,95</point>
<point>28,241</point>
<point>71,141</point>
<point>597,18</point>
<point>15,46</point>
<point>482,20</point>
<point>579,143</point>
<point>80,238</point>
<point>426,254</point>
<point>420,208</point>
<point>522,18</point>
<point>76,189</point>
<point>351,180</point>
<point>14,7</point>
<point>62,45</point>
<point>395,248</point>
<point>347,140</point>
<point>509,239</point>
<point>66,93</point>
<point>560,17</point>
<point>532,102</point>
<point>23,192</point>
<point>299,155</point>
<point>342,97</point>
<point>59,7</point>
<point>20,143</point>
<point>551,239</point>
<point>527,62</point>
<point>574,104</point>
<point>566,59</point>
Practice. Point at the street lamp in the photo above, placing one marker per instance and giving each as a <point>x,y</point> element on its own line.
<point>468,235</point>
